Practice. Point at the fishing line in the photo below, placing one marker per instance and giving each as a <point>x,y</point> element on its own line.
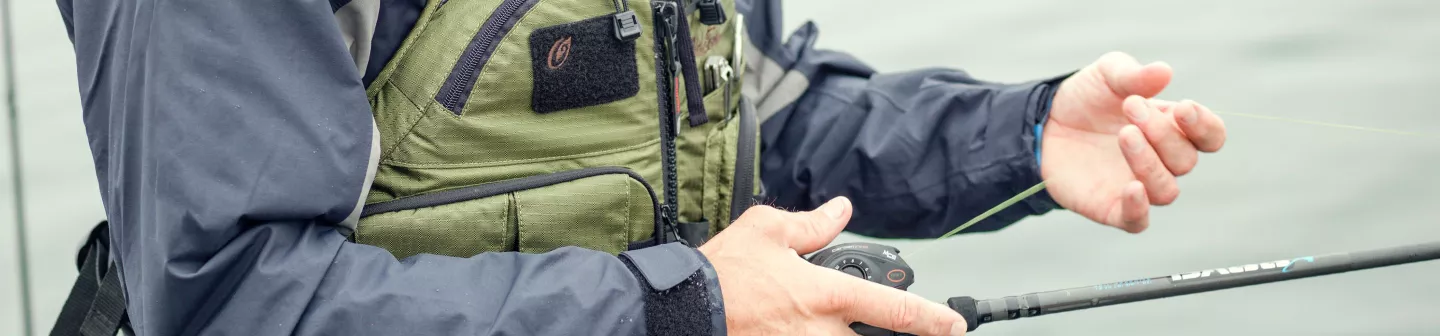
<point>15,165</point>
<point>1041,186</point>
<point>993,210</point>
<point>1328,124</point>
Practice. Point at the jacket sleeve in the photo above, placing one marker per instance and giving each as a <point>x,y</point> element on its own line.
<point>233,143</point>
<point>919,152</point>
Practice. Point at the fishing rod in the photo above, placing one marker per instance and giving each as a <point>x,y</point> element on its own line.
<point>882,264</point>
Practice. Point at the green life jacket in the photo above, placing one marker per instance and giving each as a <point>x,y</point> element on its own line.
<point>529,125</point>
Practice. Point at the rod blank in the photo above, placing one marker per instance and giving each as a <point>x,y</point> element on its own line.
<point>977,312</point>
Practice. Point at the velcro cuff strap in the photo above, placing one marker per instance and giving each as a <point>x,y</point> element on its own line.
<point>684,296</point>
<point>666,265</point>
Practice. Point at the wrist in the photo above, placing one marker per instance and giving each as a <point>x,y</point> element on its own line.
<point>1048,90</point>
<point>1039,136</point>
<point>1046,93</point>
<point>682,290</point>
<point>1041,118</point>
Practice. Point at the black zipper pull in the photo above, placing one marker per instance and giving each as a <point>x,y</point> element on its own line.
<point>711,12</point>
<point>627,25</point>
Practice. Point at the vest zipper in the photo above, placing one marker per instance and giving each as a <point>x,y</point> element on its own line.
<point>456,89</point>
<point>508,186</point>
<point>666,15</point>
<point>743,196</point>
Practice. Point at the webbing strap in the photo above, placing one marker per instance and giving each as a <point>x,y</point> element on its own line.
<point>96,305</point>
<point>108,308</point>
<point>694,95</point>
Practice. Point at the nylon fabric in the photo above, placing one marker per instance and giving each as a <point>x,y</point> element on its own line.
<point>693,144</point>
<point>406,180</point>
<point>456,230</point>
<point>718,166</point>
<point>589,213</point>
<point>498,135</point>
<point>603,212</point>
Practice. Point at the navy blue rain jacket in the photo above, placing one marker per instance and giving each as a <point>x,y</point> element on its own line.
<point>231,140</point>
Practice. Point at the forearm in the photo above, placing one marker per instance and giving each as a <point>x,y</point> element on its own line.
<point>282,279</point>
<point>919,152</point>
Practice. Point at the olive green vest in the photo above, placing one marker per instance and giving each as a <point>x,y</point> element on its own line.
<point>529,125</point>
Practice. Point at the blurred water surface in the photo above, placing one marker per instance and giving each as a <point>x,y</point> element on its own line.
<point>1277,190</point>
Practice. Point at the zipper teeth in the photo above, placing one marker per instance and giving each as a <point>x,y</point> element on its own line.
<point>472,61</point>
<point>742,195</point>
<point>667,114</point>
<point>497,188</point>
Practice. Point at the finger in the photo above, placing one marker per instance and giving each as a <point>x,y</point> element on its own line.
<point>1205,129</point>
<point>1127,77</point>
<point>1175,151</point>
<point>1145,164</point>
<point>1162,105</point>
<point>1132,211</point>
<point>895,310</point>
<point>807,232</point>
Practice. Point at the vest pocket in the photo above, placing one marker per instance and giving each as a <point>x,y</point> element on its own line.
<point>456,89</point>
<point>607,209</point>
<point>731,156</point>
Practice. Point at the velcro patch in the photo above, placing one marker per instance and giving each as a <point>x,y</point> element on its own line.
<point>581,64</point>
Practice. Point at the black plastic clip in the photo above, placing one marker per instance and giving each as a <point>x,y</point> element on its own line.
<point>711,12</point>
<point>627,26</point>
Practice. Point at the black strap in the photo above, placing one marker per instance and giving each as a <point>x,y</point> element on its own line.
<point>694,98</point>
<point>96,305</point>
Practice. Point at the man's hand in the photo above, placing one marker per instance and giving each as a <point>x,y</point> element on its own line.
<point>770,290</point>
<point>1109,151</point>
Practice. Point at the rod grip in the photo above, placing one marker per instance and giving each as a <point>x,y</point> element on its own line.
<point>965,305</point>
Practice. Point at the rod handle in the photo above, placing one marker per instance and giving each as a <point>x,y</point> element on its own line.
<point>965,305</point>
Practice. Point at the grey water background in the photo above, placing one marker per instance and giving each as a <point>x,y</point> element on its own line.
<point>1278,190</point>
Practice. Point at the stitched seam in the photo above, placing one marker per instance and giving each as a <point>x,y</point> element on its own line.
<point>629,221</point>
<point>398,163</point>
<point>624,242</point>
<point>421,25</point>
<point>403,138</point>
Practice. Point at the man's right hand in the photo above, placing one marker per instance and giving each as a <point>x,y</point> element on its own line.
<point>769,289</point>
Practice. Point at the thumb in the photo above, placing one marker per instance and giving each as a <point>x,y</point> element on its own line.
<point>815,229</point>
<point>1126,77</point>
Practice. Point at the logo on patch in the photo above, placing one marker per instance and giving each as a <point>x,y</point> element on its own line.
<point>559,53</point>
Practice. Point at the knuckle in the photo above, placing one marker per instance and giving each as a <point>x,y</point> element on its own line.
<point>762,209</point>
<point>811,227</point>
<point>1147,166</point>
<point>904,315</point>
<point>758,215</point>
<point>838,298</point>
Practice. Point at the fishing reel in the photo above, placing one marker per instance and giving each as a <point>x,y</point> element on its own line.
<point>874,262</point>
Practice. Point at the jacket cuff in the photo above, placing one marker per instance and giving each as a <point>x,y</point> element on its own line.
<point>1041,99</point>
<point>684,291</point>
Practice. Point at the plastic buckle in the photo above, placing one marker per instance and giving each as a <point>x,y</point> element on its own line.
<point>627,26</point>
<point>711,12</point>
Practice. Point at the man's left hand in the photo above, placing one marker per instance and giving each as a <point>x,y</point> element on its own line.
<point>1109,151</point>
